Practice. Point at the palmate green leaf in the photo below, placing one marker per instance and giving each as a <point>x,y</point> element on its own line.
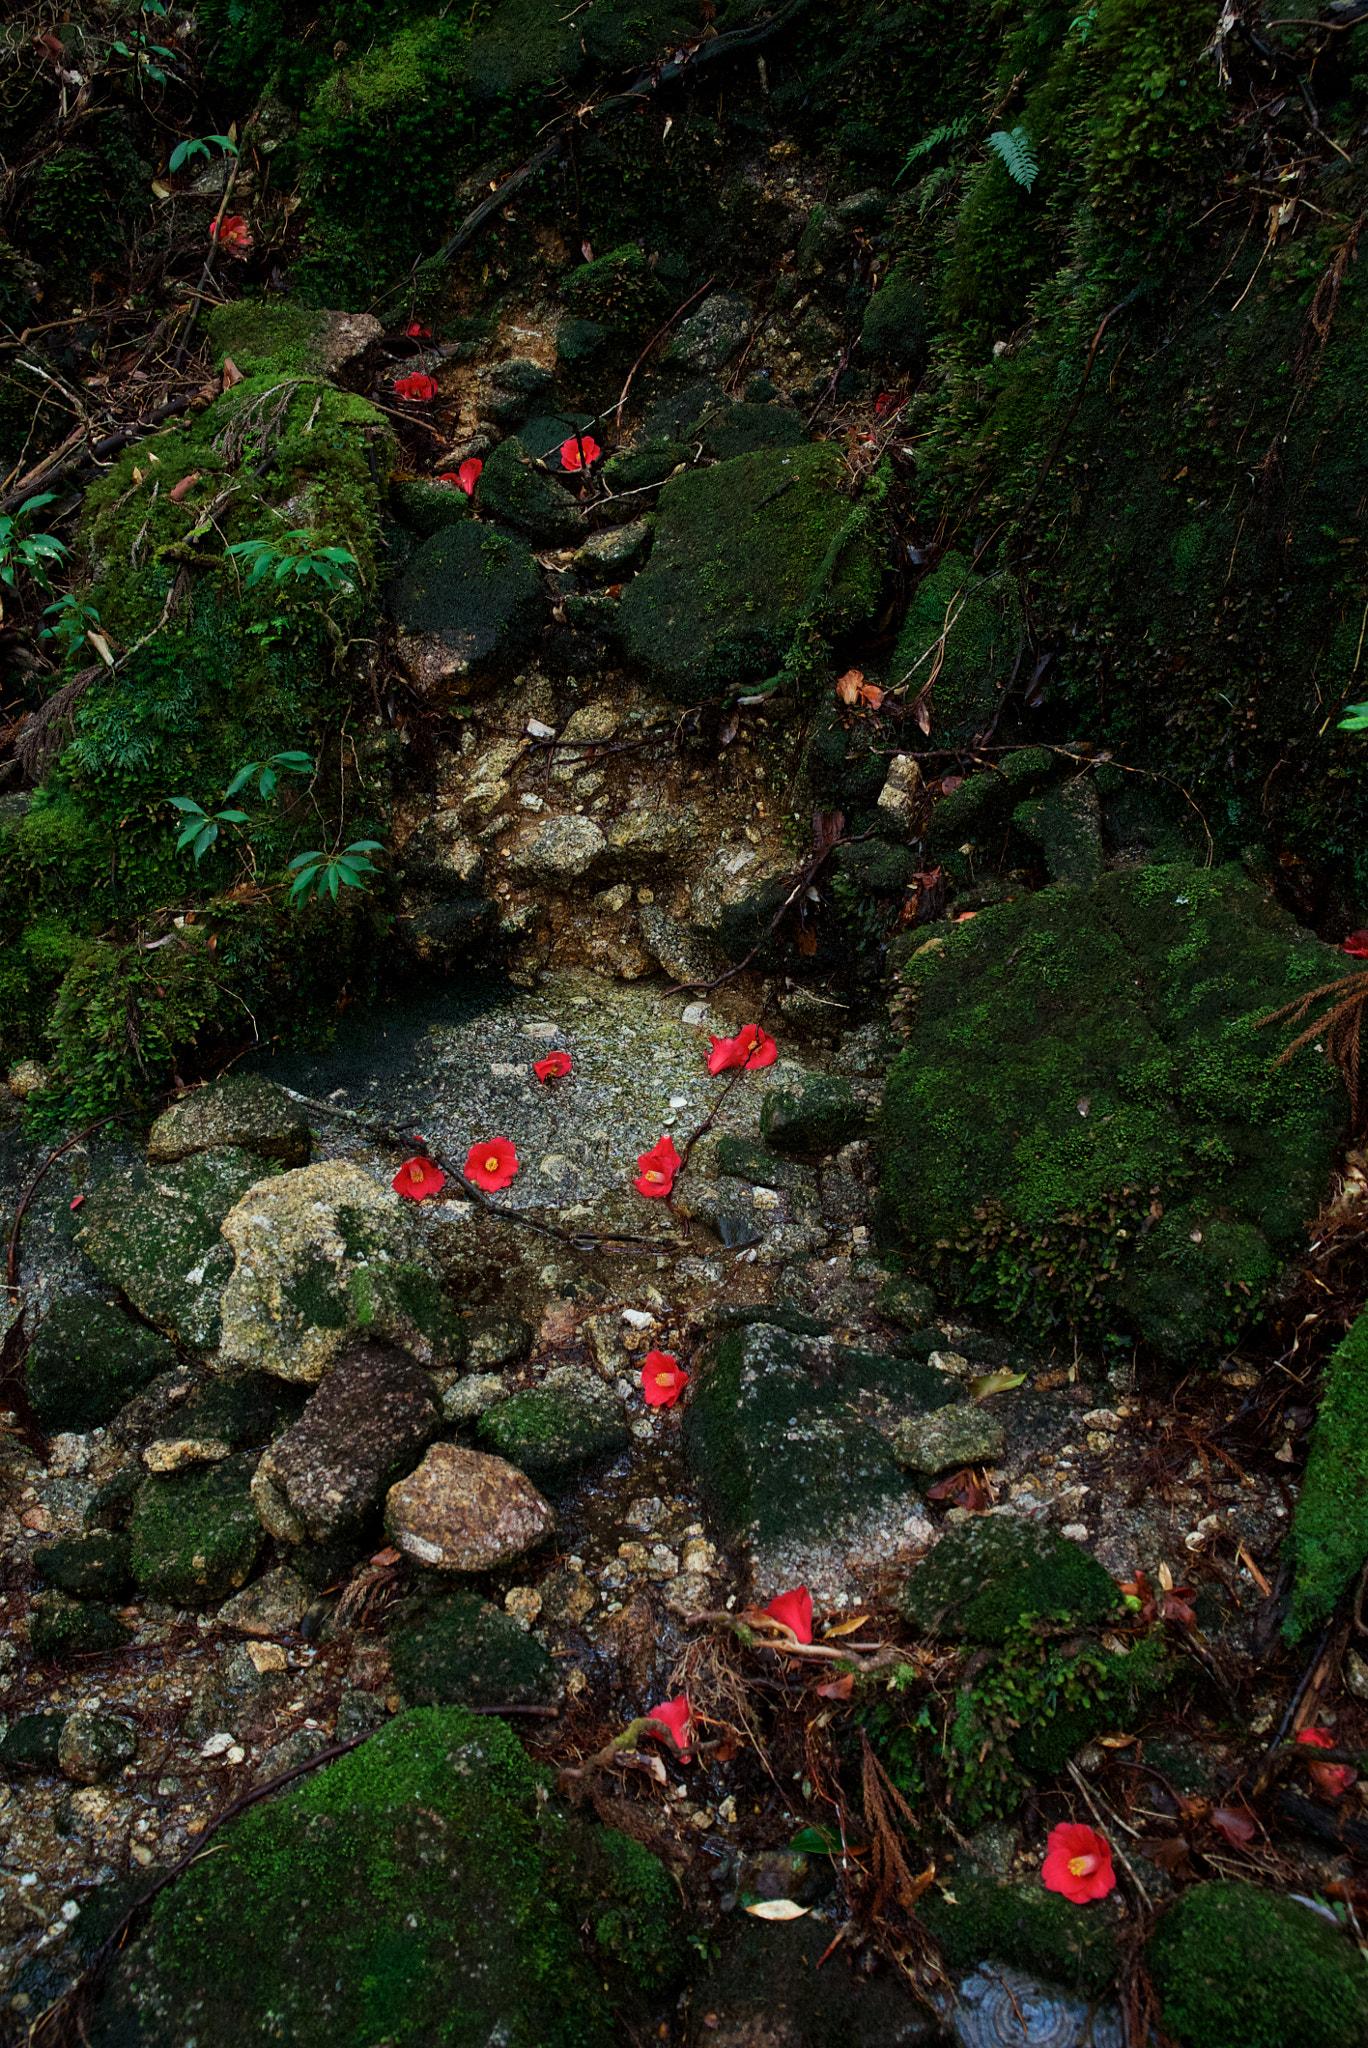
<point>1018,157</point>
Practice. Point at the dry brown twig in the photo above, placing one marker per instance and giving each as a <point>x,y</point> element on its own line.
<point>1340,1026</point>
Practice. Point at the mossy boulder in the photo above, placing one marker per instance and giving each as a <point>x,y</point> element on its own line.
<point>969,629</point>
<point>87,1359</point>
<point>61,1628</point>
<point>1026,1927</point>
<point>1329,1539</point>
<point>31,1742</point>
<point>155,1232</point>
<point>243,1110</point>
<point>1066,824</point>
<point>194,1535</point>
<point>296,340</point>
<point>469,601</point>
<point>987,1573</point>
<point>894,329</point>
<point>415,1890</point>
<point>744,552</point>
<point>426,508</point>
<point>1237,1967</point>
<point>461,1650</point>
<point>552,1430</point>
<point>619,290</point>
<point>93,1567</point>
<point>819,1113</point>
<point>1086,1123</point>
<point>747,429</point>
<point>515,491</point>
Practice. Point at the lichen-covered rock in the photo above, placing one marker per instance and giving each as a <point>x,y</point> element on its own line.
<point>819,1113</point>
<point>1084,1070</point>
<point>560,851</point>
<point>959,1435</point>
<point>513,489</point>
<point>684,953</point>
<point>712,335</point>
<point>734,900</point>
<point>243,1110</point>
<point>31,1742</point>
<point>416,1883</point>
<point>94,1746</point>
<point>464,1512</point>
<point>653,840</point>
<point>460,1650</point>
<point>323,1255</point>
<point>87,1359</point>
<point>494,1337</point>
<point>155,1232</point>
<point>1234,1964</point>
<point>368,1424</point>
<point>988,1572</point>
<point>787,1466</point>
<point>194,1534</point>
<point>91,1567</point>
<point>60,1628</point>
<point>271,1606</point>
<point>470,600</point>
<point>742,552</point>
<point>553,1429</point>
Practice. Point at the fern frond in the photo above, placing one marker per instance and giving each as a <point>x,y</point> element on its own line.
<point>948,131</point>
<point>1017,155</point>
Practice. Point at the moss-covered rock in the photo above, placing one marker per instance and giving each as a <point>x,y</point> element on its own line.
<point>93,1567</point>
<point>155,1232</point>
<point>619,290</point>
<point>412,1890</point>
<point>553,1429</point>
<point>470,600</point>
<point>1066,824</point>
<point>743,552</point>
<point>87,1359</point>
<point>817,1114</point>
<point>968,629</point>
<point>243,1110</point>
<point>426,508</point>
<point>514,490</point>
<point>987,1573</point>
<point>894,329</point>
<point>60,1628</point>
<point>1085,1121</point>
<point>1329,1540</point>
<point>1237,1967</point>
<point>460,1650</point>
<point>31,1742</point>
<point>194,1534</point>
<point>1025,1926</point>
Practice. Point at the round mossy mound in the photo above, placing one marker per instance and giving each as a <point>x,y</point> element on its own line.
<point>460,1650</point>
<point>195,1534</point>
<point>1241,1968</point>
<point>985,1574</point>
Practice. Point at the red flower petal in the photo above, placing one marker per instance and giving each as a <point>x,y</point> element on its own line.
<point>1356,945</point>
<point>491,1164</point>
<point>795,1611</point>
<point>676,1715</point>
<point>418,388</point>
<point>570,452</point>
<point>468,475</point>
<point>554,1065</point>
<point>417,331</point>
<point>1078,1863</point>
<point>656,1169</point>
<point>232,234</point>
<point>417,1178</point>
<point>751,1047</point>
<point>662,1379</point>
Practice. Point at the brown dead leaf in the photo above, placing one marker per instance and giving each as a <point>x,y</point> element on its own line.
<point>184,487</point>
<point>1235,1826</point>
<point>962,1490</point>
<point>1168,1854</point>
<point>839,1688</point>
<point>845,1627</point>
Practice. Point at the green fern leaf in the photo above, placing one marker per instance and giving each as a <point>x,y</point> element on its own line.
<point>1017,155</point>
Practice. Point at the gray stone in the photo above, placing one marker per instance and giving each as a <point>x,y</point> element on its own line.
<point>85,1361</point>
<point>685,954</point>
<point>439,857</point>
<point>358,1713</point>
<point>734,899</point>
<point>515,491</point>
<point>325,1254</point>
<point>299,1747</point>
<point>819,1113</point>
<point>271,1606</point>
<point>467,1398</point>
<point>344,347</point>
<point>711,336</point>
<point>470,600</point>
<point>494,1337</point>
<point>616,552</point>
<point>961,1435</point>
<point>155,1232</point>
<point>653,839</point>
<point>367,1425</point>
<point>244,1110</point>
<point>552,1430</point>
<point>94,1746</point>
<point>60,1628</point>
<point>464,1512</point>
<point>560,851</point>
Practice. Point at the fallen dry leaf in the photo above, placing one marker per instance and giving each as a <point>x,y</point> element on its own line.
<point>1235,1826</point>
<point>847,1627</point>
<point>994,1383</point>
<point>778,1909</point>
<point>839,1688</point>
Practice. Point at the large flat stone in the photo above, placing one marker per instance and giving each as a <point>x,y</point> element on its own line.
<point>243,1110</point>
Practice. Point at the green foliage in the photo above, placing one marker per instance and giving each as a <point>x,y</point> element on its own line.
<point>1355,719</point>
<point>946,131</point>
<point>199,146</point>
<point>1329,1542</point>
<point>1018,157</point>
<point>33,552</point>
<point>73,622</point>
<point>326,872</point>
<point>285,557</point>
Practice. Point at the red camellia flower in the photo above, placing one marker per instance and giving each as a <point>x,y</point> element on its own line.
<point>491,1164</point>
<point>418,387</point>
<point>663,1381</point>
<point>417,332</point>
<point>418,1177</point>
<point>795,1611</point>
<point>552,1067</point>
<point>751,1047</point>
<point>570,452</point>
<point>676,1715</point>
<point>1078,1863</point>
<point>1356,945</point>
<point>232,233</point>
<point>468,475</point>
<point>656,1169</point>
<point>1333,1780</point>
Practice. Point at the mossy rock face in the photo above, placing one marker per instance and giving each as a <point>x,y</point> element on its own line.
<point>154,1232</point>
<point>87,1359</point>
<point>512,489</point>
<point>93,1567</point>
<point>894,329</point>
<point>979,812</point>
<point>470,600</point>
<point>742,552</point>
<point>60,1628</point>
<point>1329,1539</point>
<point>747,429</point>
<point>31,1742</point>
<point>986,1574</point>
<point>778,1450</point>
<point>411,1891</point>
<point>981,623</point>
<point>426,508</point>
<point>619,290</point>
<point>244,1110</point>
<point>816,1114</point>
<point>554,1429</point>
<point>460,1650</point>
<point>194,1534</point>
<point>1025,1926</point>
<point>1066,824</point>
<point>635,469</point>
<point>1085,1122</point>
<point>1241,1968</point>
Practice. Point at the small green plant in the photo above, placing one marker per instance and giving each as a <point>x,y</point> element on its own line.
<point>334,568</point>
<point>1017,155</point>
<point>73,622</point>
<point>330,871</point>
<point>1084,24</point>
<point>267,775</point>
<point>22,550</point>
<point>948,131</point>
<point>1355,718</point>
<point>199,146</point>
<point>201,827</point>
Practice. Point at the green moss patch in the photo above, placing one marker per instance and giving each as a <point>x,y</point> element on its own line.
<point>1242,1968</point>
<point>93,1567</point>
<point>1026,1927</point>
<point>1086,1124</point>
<point>551,1431</point>
<point>194,1534</point>
<point>462,1651</point>
<point>87,1359</point>
<point>60,1628</point>
<point>985,1574</point>
<point>155,1233</point>
<point>1330,1522</point>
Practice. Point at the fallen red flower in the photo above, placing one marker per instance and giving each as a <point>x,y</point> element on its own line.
<point>417,332</point>
<point>552,1067</point>
<point>232,233</point>
<point>1333,1780</point>
<point>1356,945</point>
<point>417,1178</point>
<point>570,452</point>
<point>418,387</point>
<point>795,1611</point>
<point>676,1716</point>
<point>1078,1863</point>
<point>751,1047</point>
<point>662,1379</point>
<point>656,1169</point>
<point>491,1164</point>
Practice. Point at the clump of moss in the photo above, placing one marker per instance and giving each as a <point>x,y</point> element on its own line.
<point>1026,1927</point>
<point>87,1359</point>
<point>619,290</point>
<point>195,1535</point>
<point>459,1650</point>
<point>1330,1523</point>
<point>970,630</point>
<point>60,1628</point>
<point>985,1574</point>
<point>551,1431</point>
<point>1241,1968</point>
